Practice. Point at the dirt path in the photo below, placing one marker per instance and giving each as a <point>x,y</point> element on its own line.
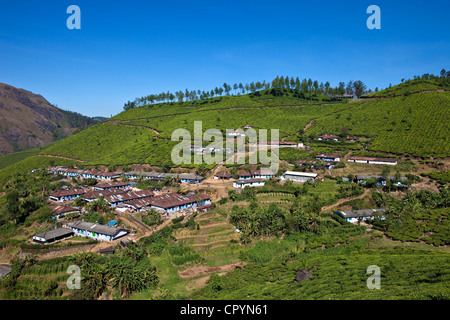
<point>59,157</point>
<point>309,124</point>
<point>119,122</point>
<point>196,271</point>
<point>341,201</point>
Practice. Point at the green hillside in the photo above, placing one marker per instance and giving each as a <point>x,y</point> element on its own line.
<point>409,123</point>
<point>340,274</point>
<point>417,124</point>
<point>414,86</point>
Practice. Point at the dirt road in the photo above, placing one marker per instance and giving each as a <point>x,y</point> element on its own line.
<point>341,201</point>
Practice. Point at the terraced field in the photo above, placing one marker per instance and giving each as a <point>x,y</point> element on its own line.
<point>216,242</point>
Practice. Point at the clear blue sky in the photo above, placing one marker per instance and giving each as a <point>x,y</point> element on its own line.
<point>127,49</point>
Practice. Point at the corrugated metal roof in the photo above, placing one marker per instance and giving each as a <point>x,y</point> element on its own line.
<point>52,234</point>
<point>301,174</point>
<point>95,227</point>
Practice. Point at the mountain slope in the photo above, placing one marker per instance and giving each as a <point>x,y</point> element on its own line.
<point>28,120</point>
<point>417,124</point>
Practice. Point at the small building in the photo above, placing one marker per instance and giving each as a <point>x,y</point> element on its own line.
<point>109,250</point>
<point>328,137</point>
<point>328,157</point>
<point>247,126</point>
<point>124,242</point>
<point>352,139</point>
<point>5,269</point>
<point>112,185</point>
<point>173,202</point>
<point>261,174</point>
<point>60,211</point>
<point>353,216</point>
<point>298,176</point>
<point>190,178</point>
<point>290,144</point>
<point>53,235</point>
<point>236,133</point>
<point>96,231</point>
<point>206,207</point>
<point>223,176</point>
<point>66,195</point>
<point>241,184</point>
<point>371,160</point>
<point>244,175</point>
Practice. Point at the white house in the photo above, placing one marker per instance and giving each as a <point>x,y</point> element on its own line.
<point>353,216</point>
<point>328,137</point>
<point>96,231</point>
<point>236,133</point>
<point>370,160</point>
<point>240,184</point>
<point>328,157</point>
<point>261,174</point>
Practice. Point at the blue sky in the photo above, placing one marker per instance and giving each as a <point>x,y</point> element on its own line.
<point>127,49</point>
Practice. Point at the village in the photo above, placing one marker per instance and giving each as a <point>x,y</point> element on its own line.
<point>119,191</point>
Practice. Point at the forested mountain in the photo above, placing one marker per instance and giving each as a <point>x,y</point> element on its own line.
<point>28,120</point>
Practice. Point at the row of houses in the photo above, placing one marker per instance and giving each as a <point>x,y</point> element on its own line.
<point>135,200</point>
<point>332,137</point>
<point>255,174</point>
<point>100,189</point>
<point>68,172</point>
<point>246,175</point>
<point>288,175</point>
<point>161,176</point>
<point>83,229</point>
<point>133,175</point>
<point>372,160</point>
<point>168,203</point>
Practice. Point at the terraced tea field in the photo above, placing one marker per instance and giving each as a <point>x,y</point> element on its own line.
<point>216,241</point>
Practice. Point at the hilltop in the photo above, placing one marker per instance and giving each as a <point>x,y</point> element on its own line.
<point>28,120</point>
<point>390,121</point>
